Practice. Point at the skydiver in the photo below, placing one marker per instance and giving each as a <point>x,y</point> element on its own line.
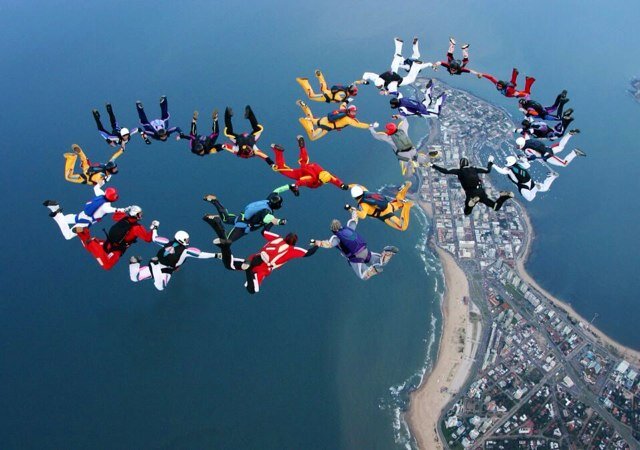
<point>455,66</point>
<point>397,136</point>
<point>203,145</point>
<point>536,149</point>
<point>508,88</point>
<point>168,259</point>
<point>118,137</point>
<point>425,108</point>
<point>541,130</point>
<point>533,109</point>
<point>472,185</point>
<point>123,234</point>
<point>381,207</point>
<point>389,81</point>
<point>157,129</point>
<point>352,246</point>
<point>92,174</point>
<point>334,94</point>
<point>94,210</point>
<point>244,145</point>
<point>341,118</point>
<point>254,216</point>
<point>309,174</point>
<point>273,255</point>
<point>516,171</point>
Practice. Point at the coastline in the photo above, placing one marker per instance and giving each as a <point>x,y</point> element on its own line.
<point>631,355</point>
<point>450,369</point>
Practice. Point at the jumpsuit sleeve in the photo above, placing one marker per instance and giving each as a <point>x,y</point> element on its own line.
<point>160,240</point>
<point>489,77</point>
<point>335,180</point>
<point>380,136</point>
<point>483,169</point>
<point>356,123</point>
<point>117,154</point>
<point>269,236</point>
<point>193,252</point>
<point>501,170</point>
<point>445,171</point>
<point>142,233</point>
<point>281,189</point>
<point>98,190</point>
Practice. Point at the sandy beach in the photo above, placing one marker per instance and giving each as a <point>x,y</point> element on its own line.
<point>631,355</point>
<point>451,368</point>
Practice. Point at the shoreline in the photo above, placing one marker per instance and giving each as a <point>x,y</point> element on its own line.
<point>450,370</point>
<point>631,355</point>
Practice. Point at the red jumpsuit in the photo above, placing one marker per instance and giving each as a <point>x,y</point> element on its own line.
<point>108,257</point>
<point>308,174</point>
<point>273,255</point>
<point>510,88</point>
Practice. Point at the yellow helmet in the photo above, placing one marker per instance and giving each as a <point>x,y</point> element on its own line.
<point>325,176</point>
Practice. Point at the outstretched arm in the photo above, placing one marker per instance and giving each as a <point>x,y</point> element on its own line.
<point>489,77</point>
<point>446,171</point>
<point>193,252</point>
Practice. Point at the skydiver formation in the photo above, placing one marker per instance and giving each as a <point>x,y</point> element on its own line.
<point>260,214</point>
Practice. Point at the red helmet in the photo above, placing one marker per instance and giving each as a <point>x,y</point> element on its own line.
<point>111,194</point>
<point>353,90</point>
<point>391,128</point>
<point>352,110</point>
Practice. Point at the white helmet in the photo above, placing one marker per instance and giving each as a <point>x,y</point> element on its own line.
<point>124,132</point>
<point>511,160</point>
<point>182,237</point>
<point>520,142</point>
<point>135,211</point>
<point>357,191</point>
<point>379,82</point>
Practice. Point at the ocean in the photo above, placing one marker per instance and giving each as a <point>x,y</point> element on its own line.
<point>319,358</point>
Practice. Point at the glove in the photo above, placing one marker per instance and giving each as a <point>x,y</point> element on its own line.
<point>491,158</point>
<point>154,225</point>
<point>365,82</point>
<point>312,241</point>
<point>274,167</point>
<point>375,124</point>
<point>293,188</point>
<point>178,137</point>
<point>344,187</point>
<point>282,221</point>
<point>347,207</point>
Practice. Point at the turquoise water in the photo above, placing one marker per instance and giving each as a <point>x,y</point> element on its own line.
<point>92,360</point>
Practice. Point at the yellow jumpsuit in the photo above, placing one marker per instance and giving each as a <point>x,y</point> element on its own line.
<point>325,94</point>
<point>387,215</point>
<point>319,127</point>
<point>84,177</point>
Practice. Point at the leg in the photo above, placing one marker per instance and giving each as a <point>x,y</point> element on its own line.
<point>503,198</point>
<point>226,217</point>
<point>360,269</point>
<point>64,222</point>
<point>397,56</point>
<point>559,147</point>
<point>216,224</point>
<point>96,117</point>
<point>248,114</point>
<point>141,114</point>
<point>402,193</point>
<point>401,223</point>
<point>437,108</point>
<point>412,75</point>
<point>112,119</point>
<point>415,51</point>
<point>546,184</point>
<point>470,201</point>
<point>164,108</point>
<point>322,81</point>
<point>308,90</point>
<point>529,194</point>
<point>528,82</point>
<point>557,161</point>
<point>160,279</point>
<point>69,166</point>
<point>514,77</point>
<point>237,233</point>
<point>228,126</point>
<point>137,273</point>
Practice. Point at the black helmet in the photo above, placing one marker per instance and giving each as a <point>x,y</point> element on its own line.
<point>111,167</point>
<point>395,102</point>
<point>526,123</point>
<point>291,238</point>
<point>275,200</point>
<point>455,65</point>
<point>464,162</point>
<point>500,84</point>
<point>198,148</point>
